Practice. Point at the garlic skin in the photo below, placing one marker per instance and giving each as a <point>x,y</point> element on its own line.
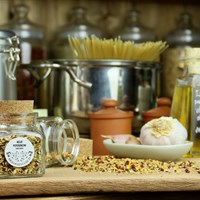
<point>163,131</point>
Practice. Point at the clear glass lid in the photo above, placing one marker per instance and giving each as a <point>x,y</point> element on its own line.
<point>22,25</point>
<point>186,33</point>
<point>134,30</point>
<point>78,25</point>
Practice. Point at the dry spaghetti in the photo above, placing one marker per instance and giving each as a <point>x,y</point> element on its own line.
<point>95,48</point>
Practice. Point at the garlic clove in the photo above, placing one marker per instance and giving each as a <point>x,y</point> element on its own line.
<point>122,138</point>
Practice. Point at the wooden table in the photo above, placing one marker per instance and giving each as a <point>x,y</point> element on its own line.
<point>66,183</point>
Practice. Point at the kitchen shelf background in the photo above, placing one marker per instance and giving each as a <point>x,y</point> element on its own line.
<point>108,14</point>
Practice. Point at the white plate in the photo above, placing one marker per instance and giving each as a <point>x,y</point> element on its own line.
<point>164,153</point>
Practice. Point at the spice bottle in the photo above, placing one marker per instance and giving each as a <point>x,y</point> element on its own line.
<point>21,146</point>
<point>186,98</point>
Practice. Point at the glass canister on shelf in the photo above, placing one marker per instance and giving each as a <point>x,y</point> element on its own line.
<point>79,27</point>
<point>32,45</point>
<point>9,58</point>
<point>185,35</point>
<point>186,98</point>
<point>133,30</point>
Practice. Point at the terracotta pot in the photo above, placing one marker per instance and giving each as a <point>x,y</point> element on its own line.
<point>108,121</point>
<point>163,109</point>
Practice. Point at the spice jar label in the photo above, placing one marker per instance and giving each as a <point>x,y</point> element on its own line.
<point>19,152</point>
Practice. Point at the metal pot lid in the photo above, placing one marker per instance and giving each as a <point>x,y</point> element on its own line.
<point>110,111</point>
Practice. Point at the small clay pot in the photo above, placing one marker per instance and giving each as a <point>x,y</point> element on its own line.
<point>163,109</point>
<point>108,121</point>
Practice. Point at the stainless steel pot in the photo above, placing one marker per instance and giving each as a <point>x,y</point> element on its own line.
<point>9,56</point>
<point>77,87</point>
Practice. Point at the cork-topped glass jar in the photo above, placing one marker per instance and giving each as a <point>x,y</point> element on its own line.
<point>22,150</point>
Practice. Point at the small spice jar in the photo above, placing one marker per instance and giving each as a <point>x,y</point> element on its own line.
<point>61,140</point>
<point>108,121</point>
<point>22,150</point>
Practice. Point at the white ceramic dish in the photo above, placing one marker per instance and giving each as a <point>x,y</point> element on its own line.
<point>164,153</point>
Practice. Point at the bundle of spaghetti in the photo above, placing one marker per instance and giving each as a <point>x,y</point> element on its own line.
<point>95,48</point>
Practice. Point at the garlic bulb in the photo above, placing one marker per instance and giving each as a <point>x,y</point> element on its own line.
<point>163,131</point>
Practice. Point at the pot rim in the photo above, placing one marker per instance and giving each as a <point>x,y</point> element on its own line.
<point>63,63</point>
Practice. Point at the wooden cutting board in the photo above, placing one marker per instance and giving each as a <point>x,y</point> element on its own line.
<point>63,180</point>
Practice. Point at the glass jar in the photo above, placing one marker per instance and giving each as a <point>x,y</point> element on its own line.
<point>61,140</point>
<point>134,30</point>
<point>79,27</point>
<point>21,146</point>
<point>9,57</point>
<point>183,36</point>
<point>29,143</point>
<point>186,100</point>
<point>33,47</point>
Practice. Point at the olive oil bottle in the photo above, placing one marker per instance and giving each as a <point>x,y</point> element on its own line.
<point>186,99</point>
<point>181,108</point>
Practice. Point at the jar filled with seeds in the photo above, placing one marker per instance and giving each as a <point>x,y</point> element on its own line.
<point>22,151</point>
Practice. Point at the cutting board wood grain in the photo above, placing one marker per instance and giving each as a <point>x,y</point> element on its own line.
<point>63,180</point>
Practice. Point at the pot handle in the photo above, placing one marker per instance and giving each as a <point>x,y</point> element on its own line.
<point>76,79</point>
<point>38,76</point>
<point>49,66</point>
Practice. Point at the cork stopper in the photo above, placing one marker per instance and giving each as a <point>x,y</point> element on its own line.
<point>16,112</point>
<point>16,106</point>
